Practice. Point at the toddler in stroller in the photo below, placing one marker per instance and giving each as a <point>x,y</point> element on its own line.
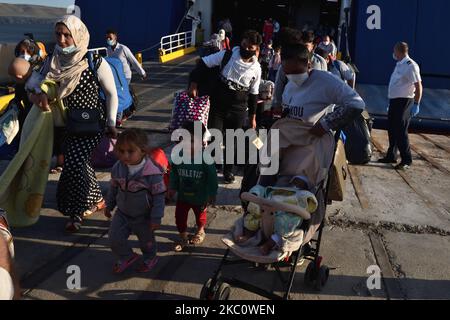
<point>285,223</point>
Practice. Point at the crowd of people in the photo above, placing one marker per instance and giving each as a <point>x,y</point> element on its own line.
<point>308,80</point>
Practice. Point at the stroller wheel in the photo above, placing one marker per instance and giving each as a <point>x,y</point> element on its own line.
<point>207,292</point>
<point>322,278</point>
<point>223,293</point>
<point>310,275</point>
<point>220,292</point>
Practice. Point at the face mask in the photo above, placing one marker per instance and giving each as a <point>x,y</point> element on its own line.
<point>247,54</point>
<point>25,57</point>
<point>298,79</point>
<point>67,50</point>
<point>326,43</point>
<point>111,43</point>
<point>394,57</point>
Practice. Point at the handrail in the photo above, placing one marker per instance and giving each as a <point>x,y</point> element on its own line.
<point>176,41</point>
<point>97,50</point>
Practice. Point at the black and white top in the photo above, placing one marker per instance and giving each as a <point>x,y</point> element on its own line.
<point>239,75</point>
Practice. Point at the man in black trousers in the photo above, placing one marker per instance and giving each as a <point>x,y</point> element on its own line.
<point>405,94</point>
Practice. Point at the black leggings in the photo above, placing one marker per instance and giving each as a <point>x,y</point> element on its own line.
<point>229,112</point>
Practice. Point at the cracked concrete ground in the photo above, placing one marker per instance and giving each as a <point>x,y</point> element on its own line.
<point>403,227</point>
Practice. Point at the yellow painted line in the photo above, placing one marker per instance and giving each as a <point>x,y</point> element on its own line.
<point>4,101</point>
<point>175,55</point>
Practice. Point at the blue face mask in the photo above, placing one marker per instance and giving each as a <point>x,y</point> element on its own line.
<point>67,50</point>
<point>111,43</point>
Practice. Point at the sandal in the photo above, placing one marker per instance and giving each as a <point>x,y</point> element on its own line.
<point>56,170</point>
<point>121,266</point>
<point>100,206</point>
<point>73,226</point>
<point>182,243</point>
<point>198,238</point>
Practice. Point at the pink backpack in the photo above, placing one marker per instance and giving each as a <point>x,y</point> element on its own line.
<point>188,109</point>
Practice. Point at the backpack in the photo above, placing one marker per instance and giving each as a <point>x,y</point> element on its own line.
<point>358,148</point>
<point>211,82</point>
<point>123,90</point>
<point>159,158</point>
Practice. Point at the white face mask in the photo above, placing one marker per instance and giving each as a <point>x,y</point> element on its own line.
<point>298,79</point>
<point>326,43</point>
<point>67,50</point>
<point>25,57</point>
<point>394,57</point>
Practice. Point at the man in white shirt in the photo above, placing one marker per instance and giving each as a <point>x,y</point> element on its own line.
<point>124,54</point>
<point>405,94</point>
<point>237,92</point>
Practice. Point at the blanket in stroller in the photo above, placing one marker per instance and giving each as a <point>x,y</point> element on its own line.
<point>273,211</point>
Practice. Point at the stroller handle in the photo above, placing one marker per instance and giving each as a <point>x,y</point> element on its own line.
<point>276,206</point>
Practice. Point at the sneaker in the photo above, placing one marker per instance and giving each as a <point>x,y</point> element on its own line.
<point>402,167</point>
<point>121,266</point>
<point>229,178</point>
<point>148,265</point>
<point>387,161</point>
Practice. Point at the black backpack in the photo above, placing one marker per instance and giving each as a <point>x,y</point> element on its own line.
<point>212,80</point>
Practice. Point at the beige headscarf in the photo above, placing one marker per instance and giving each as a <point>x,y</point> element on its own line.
<point>67,69</point>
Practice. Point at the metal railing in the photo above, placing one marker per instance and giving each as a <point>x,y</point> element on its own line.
<point>176,42</point>
<point>98,50</point>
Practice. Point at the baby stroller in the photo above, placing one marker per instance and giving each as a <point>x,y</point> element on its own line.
<point>316,275</point>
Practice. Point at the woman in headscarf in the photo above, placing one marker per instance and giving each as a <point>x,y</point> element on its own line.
<point>79,194</point>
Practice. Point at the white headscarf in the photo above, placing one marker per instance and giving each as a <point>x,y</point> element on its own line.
<point>66,69</point>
